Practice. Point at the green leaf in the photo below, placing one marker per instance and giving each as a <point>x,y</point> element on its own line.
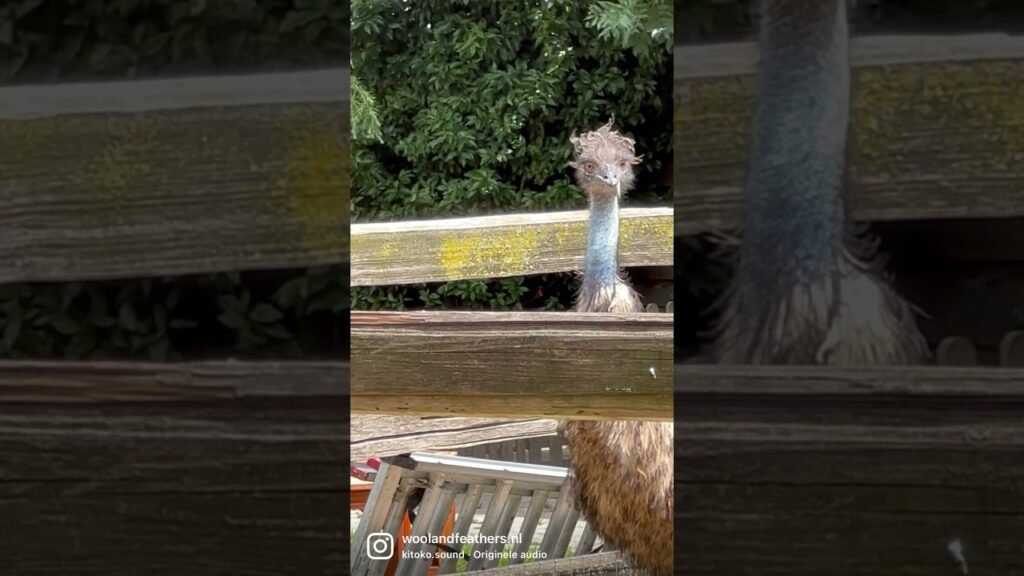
<point>231,303</point>
<point>233,319</point>
<point>7,33</point>
<point>158,350</point>
<point>296,19</point>
<point>22,8</point>
<point>127,317</point>
<point>291,292</point>
<point>265,313</point>
<point>11,332</point>
<point>68,293</point>
<point>102,321</point>
<point>64,324</point>
<point>160,318</point>
<point>172,297</point>
<point>276,331</point>
<point>80,345</point>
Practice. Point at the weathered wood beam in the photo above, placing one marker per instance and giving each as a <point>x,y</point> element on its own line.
<point>849,383</point>
<point>937,130</point>
<point>165,177</point>
<point>600,563</point>
<point>869,471</point>
<point>512,364</point>
<point>390,435</point>
<point>253,488</point>
<point>497,246</point>
<point>91,382</point>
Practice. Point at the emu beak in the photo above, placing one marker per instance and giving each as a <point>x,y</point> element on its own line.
<point>610,175</point>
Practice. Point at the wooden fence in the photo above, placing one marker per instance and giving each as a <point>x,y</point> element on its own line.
<point>513,365</point>
<point>499,246</point>
<point>841,471</point>
<point>516,365</point>
<point>187,468</point>
<point>909,94</point>
<point>807,471</point>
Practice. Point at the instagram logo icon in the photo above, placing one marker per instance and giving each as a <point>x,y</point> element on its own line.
<point>380,546</point>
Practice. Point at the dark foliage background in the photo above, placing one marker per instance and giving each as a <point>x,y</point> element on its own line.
<point>260,314</point>
<point>722,20</point>
<point>73,39</point>
<point>471,105</point>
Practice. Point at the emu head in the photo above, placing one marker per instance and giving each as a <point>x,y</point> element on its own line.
<point>604,161</point>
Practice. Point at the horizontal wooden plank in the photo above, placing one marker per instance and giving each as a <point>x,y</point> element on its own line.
<point>600,563</point>
<point>703,61</point>
<point>936,129</point>
<point>328,86</point>
<point>871,471</point>
<point>90,382</point>
<point>850,383</point>
<point>497,246</point>
<point>246,488</point>
<point>512,364</point>
<point>173,177</point>
<point>390,435</point>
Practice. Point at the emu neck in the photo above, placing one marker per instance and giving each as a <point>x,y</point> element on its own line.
<point>794,225</point>
<point>601,267</point>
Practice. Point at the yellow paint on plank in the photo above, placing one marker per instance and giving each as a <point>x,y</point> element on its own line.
<point>122,163</point>
<point>471,254</point>
<point>316,187</point>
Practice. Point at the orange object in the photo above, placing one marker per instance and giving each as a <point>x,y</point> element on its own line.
<point>359,493</point>
<point>449,525</point>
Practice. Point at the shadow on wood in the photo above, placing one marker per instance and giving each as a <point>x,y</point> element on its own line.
<point>809,471</point>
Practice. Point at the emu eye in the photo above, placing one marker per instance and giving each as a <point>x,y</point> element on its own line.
<point>589,166</point>
<point>623,164</point>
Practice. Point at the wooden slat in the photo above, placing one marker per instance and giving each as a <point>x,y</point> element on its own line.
<point>463,521</point>
<point>410,565</point>
<point>392,435</point>
<point>529,526</point>
<point>568,528</point>
<point>497,246</point>
<point>253,488</point>
<point>166,177</point>
<point>555,524</point>
<point>491,519</point>
<point>90,382</point>
<point>865,472</point>
<point>605,562</point>
<point>552,365</point>
<point>442,512</point>
<point>587,540</point>
<point>982,384</point>
<point>937,129</point>
<point>508,515</point>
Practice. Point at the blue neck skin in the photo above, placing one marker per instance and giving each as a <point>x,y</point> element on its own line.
<point>795,223</point>
<point>601,268</point>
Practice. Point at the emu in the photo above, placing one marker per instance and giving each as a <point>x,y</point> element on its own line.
<point>621,470</point>
<point>808,288</point>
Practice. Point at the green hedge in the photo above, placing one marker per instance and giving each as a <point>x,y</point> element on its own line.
<point>723,20</point>
<point>473,104</point>
<point>71,39</point>
<point>278,314</point>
